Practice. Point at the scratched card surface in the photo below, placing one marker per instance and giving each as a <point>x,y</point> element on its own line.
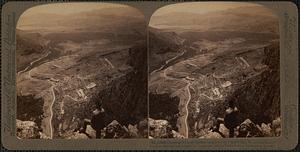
<point>149,75</point>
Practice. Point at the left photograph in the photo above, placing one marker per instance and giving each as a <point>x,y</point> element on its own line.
<point>81,73</point>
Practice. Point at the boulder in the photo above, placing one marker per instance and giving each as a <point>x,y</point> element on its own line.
<point>276,126</point>
<point>143,128</point>
<point>133,131</point>
<point>116,130</point>
<point>90,131</point>
<point>177,134</point>
<point>249,129</point>
<point>212,135</point>
<point>222,133</point>
<point>27,130</point>
<point>43,136</point>
<point>266,130</point>
<point>77,135</point>
<point>224,130</point>
<point>160,128</point>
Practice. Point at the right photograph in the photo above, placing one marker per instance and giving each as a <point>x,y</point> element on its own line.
<point>214,71</point>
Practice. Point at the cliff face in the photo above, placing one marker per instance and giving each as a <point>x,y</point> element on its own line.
<point>256,93</point>
<point>125,98</point>
<point>164,107</point>
<point>33,111</point>
<point>31,45</point>
<point>259,97</point>
<point>163,45</point>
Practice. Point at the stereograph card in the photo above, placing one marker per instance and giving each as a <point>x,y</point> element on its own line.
<point>149,75</point>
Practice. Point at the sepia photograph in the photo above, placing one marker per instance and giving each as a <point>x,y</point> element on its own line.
<point>214,71</point>
<point>81,72</point>
<point>149,75</point>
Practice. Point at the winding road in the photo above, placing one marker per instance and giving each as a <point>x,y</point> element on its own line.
<point>31,63</point>
<point>51,89</point>
<point>108,62</point>
<point>51,112</point>
<point>186,109</point>
<point>187,88</point>
<point>168,61</point>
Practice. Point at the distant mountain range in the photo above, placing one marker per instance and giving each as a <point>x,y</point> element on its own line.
<point>108,18</point>
<point>247,19</point>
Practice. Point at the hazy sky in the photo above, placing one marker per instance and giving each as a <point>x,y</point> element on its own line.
<point>32,17</point>
<point>69,8</point>
<point>201,7</point>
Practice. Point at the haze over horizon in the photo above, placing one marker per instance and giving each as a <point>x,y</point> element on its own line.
<point>217,16</point>
<point>76,15</point>
<point>201,7</point>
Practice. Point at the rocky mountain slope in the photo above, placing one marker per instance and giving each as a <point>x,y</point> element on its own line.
<point>31,45</point>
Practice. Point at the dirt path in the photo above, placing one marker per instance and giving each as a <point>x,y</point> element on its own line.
<point>51,105</point>
<point>184,125</point>
<point>51,112</point>
<point>167,62</point>
<point>53,99</point>
<point>71,98</point>
<point>32,63</point>
<point>187,110</point>
<point>108,62</point>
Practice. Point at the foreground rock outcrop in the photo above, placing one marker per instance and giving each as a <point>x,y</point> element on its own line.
<point>125,98</point>
<point>162,129</point>
<point>27,129</point>
<point>258,98</point>
<point>116,130</point>
<point>248,129</point>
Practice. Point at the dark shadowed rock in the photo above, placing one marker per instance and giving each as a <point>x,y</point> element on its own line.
<point>258,98</point>
<point>116,130</point>
<point>125,97</point>
<point>143,128</point>
<point>249,129</point>
<point>164,107</point>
